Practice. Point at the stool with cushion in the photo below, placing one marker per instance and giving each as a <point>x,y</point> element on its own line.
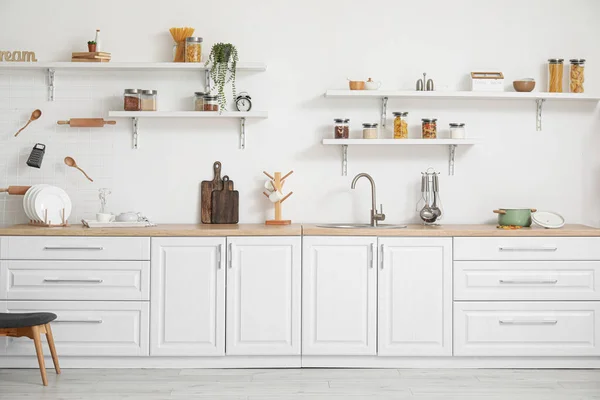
<point>32,325</point>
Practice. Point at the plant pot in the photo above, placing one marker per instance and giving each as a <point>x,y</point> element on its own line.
<point>224,58</point>
<point>515,216</point>
<point>92,48</point>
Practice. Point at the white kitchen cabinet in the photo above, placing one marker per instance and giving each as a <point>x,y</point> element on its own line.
<point>187,296</point>
<point>415,297</point>
<point>263,296</point>
<point>339,296</point>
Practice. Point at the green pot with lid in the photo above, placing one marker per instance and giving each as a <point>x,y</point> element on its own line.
<point>515,216</point>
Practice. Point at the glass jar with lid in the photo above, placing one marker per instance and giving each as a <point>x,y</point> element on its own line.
<point>400,125</point>
<point>148,100</point>
<point>131,100</point>
<point>341,129</point>
<point>555,75</point>
<point>211,103</point>
<point>193,49</point>
<point>576,75</point>
<point>429,128</point>
<point>199,101</point>
<point>457,130</point>
<point>370,131</point>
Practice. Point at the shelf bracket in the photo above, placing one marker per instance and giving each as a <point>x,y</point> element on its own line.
<point>452,149</point>
<point>207,81</point>
<point>242,133</point>
<point>135,132</point>
<point>344,160</point>
<point>384,102</point>
<point>51,84</point>
<point>538,115</point>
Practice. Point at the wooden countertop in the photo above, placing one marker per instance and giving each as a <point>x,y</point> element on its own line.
<point>157,231</point>
<point>572,230</point>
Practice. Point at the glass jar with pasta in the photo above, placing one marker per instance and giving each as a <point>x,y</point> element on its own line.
<point>576,76</point>
<point>400,125</point>
<point>193,49</point>
<point>429,128</point>
<point>555,75</point>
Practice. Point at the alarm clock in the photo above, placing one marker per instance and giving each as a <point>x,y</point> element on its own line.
<point>243,102</point>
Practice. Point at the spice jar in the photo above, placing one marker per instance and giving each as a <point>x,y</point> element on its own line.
<point>211,103</point>
<point>341,129</point>
<point>457,130</point>
<point>131,100</point>
<point>199,101</point>
<point>429,128</point>
<point>148,100</point>
<point>576,75</point>
<point>193,49</point>
<point>400,125</point>
<point>369,131</point>
<point>555,75</point>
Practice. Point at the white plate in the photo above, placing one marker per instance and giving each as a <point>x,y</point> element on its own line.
<point>27,203</point>
<point>548,220</point>
<point>53,200</point>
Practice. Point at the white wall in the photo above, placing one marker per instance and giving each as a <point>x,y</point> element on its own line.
<point>309,46</point>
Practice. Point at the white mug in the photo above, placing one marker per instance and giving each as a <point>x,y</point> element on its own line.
<point>269,186</point>
<point>104,217</point>
<point>276,196</point>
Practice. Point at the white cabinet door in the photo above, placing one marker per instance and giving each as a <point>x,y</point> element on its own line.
<point>415,297</point>
<point>339,298</point>
<point>187,297</point>
<point>263,295</point>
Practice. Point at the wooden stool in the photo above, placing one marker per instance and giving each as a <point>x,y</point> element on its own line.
<point>32,325</point>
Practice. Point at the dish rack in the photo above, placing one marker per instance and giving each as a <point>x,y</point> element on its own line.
<point>48,224</point>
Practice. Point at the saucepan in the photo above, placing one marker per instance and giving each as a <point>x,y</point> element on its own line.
<point>515,216</point>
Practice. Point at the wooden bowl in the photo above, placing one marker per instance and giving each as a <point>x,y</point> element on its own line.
<point>357,85</point>
<point>524,85</point>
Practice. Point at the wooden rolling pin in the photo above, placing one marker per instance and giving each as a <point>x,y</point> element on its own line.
<point>87,122</point>
<point>16,190</point>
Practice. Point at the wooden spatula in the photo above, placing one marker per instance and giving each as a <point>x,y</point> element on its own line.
<point>86,122</point>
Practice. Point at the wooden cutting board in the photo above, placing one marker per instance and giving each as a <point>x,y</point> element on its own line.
<point>86,122</point>
<point>225,204</point>
<point>206,189</point>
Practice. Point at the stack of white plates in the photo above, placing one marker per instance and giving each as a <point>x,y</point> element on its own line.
<point>45,201</point>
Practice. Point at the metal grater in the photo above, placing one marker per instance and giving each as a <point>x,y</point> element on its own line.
<point>36,156</point>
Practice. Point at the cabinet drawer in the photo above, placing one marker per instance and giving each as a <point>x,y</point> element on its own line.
<point>527,328</point>
<point>74,248</point>
<point>74,280</point>
<point>527,248</point>
<point>91,328</point>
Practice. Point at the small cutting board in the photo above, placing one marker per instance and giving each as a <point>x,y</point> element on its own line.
<point>225,204</point>
<point>206,189</point>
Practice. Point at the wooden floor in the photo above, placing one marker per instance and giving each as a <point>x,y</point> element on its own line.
<point>338,384</point>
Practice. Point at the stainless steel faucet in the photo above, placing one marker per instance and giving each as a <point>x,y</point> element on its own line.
<point>375,217</point>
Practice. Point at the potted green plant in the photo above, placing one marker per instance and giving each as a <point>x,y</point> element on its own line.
<point>223,59</point>
<point>92,46</point>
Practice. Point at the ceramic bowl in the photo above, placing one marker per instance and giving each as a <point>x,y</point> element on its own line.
<point>524,85</point>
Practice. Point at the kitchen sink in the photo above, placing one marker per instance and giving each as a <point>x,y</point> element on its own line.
<point>361,226</point>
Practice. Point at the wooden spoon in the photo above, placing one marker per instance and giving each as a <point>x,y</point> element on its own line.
<point>70,161</point>
<point>34,115</point>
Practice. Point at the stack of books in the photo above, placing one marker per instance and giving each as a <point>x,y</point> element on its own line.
<point>99,56</point>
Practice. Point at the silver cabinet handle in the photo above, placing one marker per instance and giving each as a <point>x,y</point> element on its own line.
<point>73,248</point>
<point>526,282</point>
<point>78,321</point>
<point>382,253</point>
<point>59,280</point>
<point>530,322</point>
<point>219,256</point>
<point>230,255</point>
<point>372,255</point>
<point>528,248</point>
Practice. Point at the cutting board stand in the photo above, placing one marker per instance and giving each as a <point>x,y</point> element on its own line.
<point>277,181</point>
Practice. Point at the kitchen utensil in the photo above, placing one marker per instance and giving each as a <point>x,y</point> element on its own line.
<point>37,155</point>
<point>429,86</point>
<point>548,220</point>
<point>206,189</point>
<point>372,85</point>
<point>86,122</point>
<point>34,116</point>
<point>49,205</point>
<point>225,204</point>
<point>419,86</point>
<point>15,190</point>
<point>130,216</point>
<point>426,213</point>
<point>434,207</point>
<point>105,217</point>
<point>422,201</point>
<point>356,85</point>
<point>524,85</point>
<point>71,163</point>
<point>515,216</point>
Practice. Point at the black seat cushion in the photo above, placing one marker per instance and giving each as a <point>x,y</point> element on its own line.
<point>26,319</point>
